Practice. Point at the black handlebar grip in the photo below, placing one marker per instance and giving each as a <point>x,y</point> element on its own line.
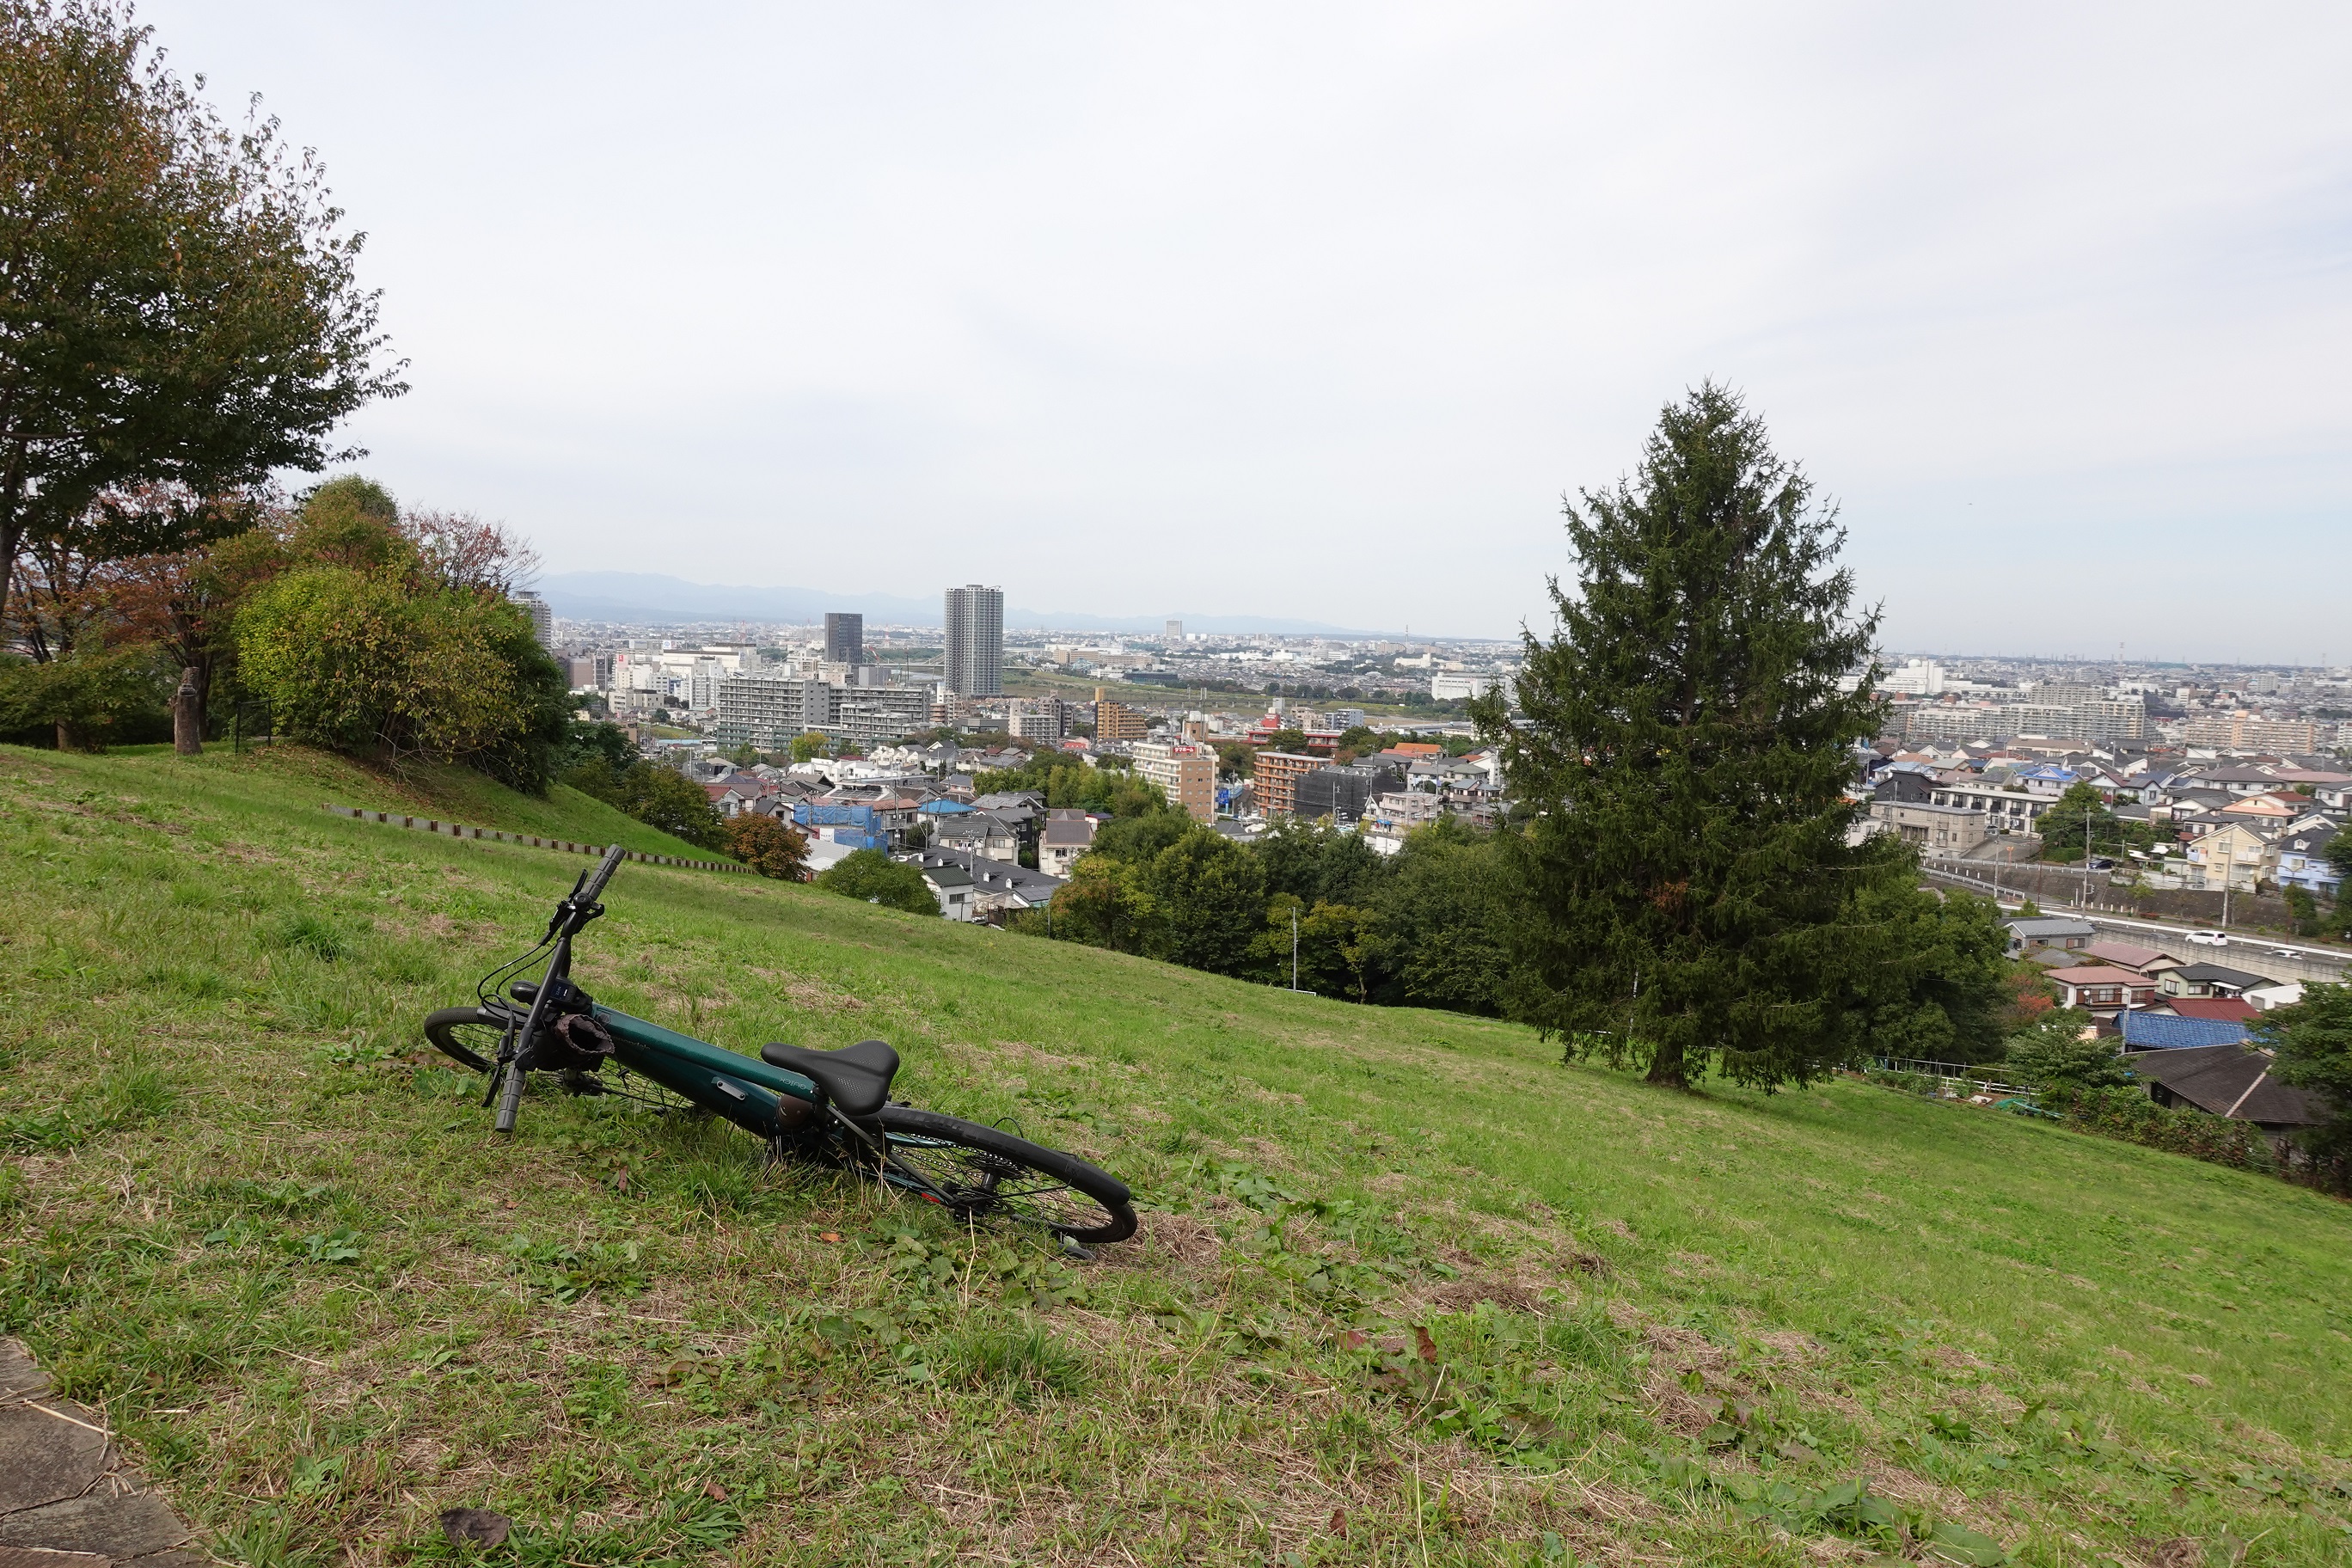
<point>604,875</point>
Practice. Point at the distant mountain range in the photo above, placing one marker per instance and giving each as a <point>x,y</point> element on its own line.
<point>648,599</point>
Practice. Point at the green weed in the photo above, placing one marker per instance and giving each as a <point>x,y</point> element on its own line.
<point>1020,1359</point>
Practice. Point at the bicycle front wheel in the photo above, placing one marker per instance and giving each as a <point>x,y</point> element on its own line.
<point>987,1173</point>
<point>468,1035</point>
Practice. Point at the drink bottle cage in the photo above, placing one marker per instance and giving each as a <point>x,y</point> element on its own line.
<point>857,1078</point>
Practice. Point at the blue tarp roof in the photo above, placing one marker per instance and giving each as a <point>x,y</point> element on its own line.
<point>2147,1031</point>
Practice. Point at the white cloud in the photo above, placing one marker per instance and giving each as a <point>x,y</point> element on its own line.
<point>1317,309</point>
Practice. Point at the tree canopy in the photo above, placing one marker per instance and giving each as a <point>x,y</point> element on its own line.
<point>371,643</point>
<point>179,305</point>
<point>870,875</point>
<point>2313,1039</point>
<point>1685,894</point>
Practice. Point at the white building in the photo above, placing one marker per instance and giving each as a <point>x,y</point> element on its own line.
<point>1475,683</point>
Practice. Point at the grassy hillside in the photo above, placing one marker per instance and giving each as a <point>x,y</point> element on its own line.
<point>301,779</point>
<point>1409,1290</point>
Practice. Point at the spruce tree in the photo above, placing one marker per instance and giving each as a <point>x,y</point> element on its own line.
<point>1685,892</point>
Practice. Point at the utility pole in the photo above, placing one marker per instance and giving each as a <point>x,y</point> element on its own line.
<point>2087,857</point>
<point>1294,947</point>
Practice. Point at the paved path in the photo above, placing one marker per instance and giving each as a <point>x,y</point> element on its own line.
<point>67,1500</point>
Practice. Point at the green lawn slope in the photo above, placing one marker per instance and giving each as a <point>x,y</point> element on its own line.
<point>1409,1290</point>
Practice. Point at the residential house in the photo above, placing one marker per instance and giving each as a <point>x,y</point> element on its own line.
<point>2273,811</point>
<point>2277,993</point>
<point>2144,1029</point>
<point>2223,1009</point>
<point>2302,861</point>
<point>2048,931</point>
<point>2125,954</point>
<point>1023,809</point>
<point>2237,856</point>
<point>738,794</point>
<point>2232,1080</point>
<point>2102,990</point>
<point>951,885</point>
<point>1949,830</point>
<point>991,889</point>
<point>980,833</point>
<point>2005,810</point>
<point>2206,980</point>
<point>1068,835</point>
<point>1395,814</point>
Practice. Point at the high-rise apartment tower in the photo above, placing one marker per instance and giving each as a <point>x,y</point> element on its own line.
<point>975,623</point>
<point>542,617</point>
<point>844,639</point>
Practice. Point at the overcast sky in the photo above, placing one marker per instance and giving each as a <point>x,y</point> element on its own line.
<point>1318,309</point>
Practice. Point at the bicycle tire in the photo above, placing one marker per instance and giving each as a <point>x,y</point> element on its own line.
<point>987,1172</point>
<point>468,1036</point>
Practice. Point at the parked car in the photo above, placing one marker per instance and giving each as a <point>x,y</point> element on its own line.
<point>2101,863</point>
<point>2209,937</point>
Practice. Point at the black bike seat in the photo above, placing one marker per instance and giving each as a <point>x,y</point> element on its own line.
<point>855,1077</point>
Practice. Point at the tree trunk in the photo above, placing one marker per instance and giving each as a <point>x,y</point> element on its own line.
<point>188,716</point>
<point>1666,1067</point>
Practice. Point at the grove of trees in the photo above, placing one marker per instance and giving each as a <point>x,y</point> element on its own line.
<point>180,319</point>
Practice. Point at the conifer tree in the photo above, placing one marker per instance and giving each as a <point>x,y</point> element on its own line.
<point>1685,893</point>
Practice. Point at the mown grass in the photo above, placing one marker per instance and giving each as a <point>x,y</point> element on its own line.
<point>1409,1290</point>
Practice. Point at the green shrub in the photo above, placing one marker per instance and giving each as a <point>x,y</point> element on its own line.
<point>2129,1114</point>
<point>2053,1053</point>
<point>873,876</point>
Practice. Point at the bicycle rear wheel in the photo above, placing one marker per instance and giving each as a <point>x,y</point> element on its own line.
<point>986,1174</point>
<point>468,1036</point>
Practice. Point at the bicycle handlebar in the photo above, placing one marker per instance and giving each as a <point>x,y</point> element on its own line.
<point>604,874</point>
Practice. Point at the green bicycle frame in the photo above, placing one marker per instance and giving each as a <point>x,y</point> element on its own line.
<point>766,1101</point>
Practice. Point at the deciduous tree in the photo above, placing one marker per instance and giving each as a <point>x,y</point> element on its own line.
<point>179,302</point>
<point>770,848</point>
<point>870,875</point>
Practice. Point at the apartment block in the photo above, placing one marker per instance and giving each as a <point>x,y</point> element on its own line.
<point>1186,774</point>
<point>1275,779</point>
<point>1116,720</point>
<point>975,636</point>
<point>2247,732</point>
<point>1038,719</point>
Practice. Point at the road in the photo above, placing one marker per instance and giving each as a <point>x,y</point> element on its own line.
<point>2277,959</point>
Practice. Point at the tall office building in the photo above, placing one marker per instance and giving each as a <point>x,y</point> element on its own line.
<point>975,622</point>
<point>542,617</point>
<point>1175,631</point>
<point>844,639</point>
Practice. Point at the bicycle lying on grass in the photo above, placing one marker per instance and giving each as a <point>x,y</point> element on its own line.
<point>826,1108</point>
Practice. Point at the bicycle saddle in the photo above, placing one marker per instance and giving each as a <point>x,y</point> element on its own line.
<point>855,1077</point>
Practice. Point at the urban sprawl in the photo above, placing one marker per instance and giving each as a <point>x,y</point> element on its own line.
<point>2235,775</point>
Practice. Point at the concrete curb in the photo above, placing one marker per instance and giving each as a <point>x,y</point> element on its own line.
<point>66,1497</point>
<point>564,845</point>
